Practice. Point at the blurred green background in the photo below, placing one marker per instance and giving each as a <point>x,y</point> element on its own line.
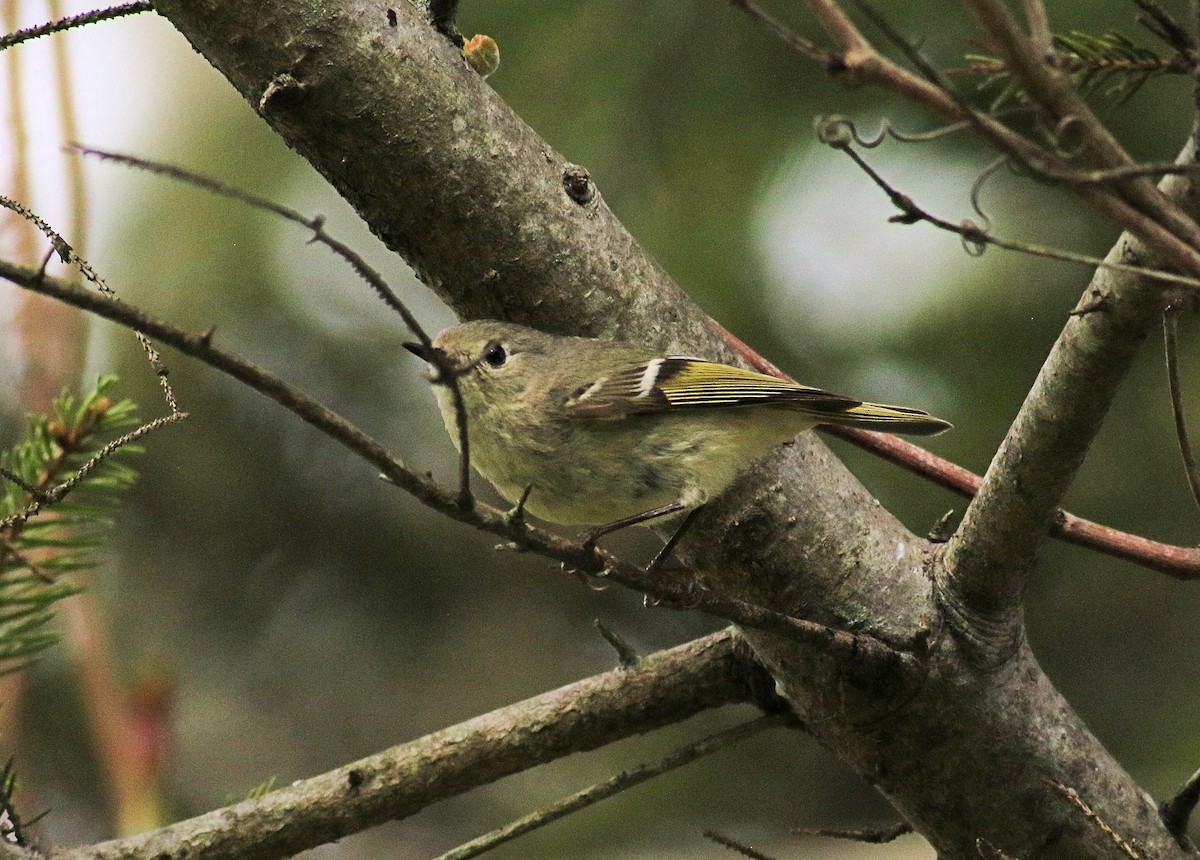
<point>309,614</point>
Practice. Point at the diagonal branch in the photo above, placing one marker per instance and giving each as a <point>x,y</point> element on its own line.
<point>1180,562</point>
<point>858,62</point>
<point>665,688</point>
<point>989,559</point>
<point>1054,91</point>
<point>626,779</point>
<point>861,648</point>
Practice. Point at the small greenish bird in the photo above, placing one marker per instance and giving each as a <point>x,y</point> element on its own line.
<point>598,432</point>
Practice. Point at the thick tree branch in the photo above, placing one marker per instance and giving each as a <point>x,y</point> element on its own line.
<point>999,537</point>
<point>665,688</point>
<point>990,557</point>
<point>431,156</point>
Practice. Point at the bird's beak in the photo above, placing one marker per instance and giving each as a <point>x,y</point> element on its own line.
<point>425,353</point>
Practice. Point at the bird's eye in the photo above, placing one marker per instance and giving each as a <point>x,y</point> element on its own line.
<point>495,354</point>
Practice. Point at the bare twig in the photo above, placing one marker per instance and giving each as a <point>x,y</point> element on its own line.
<point>445,374</point>
<point>735,846</point>
<point>674,591</point>
<point>807,47</point>
<point>34,492</point>
<point>59,492</point>
<point>627,656</point>
<point>316,223</point>
<point>74,21</point>
<point>67,254</point>
<point>1176,811</point>
<point>1039,27</point>
<point>1177,561</point>
<point>1054,92</point>
<point>869,835</point>
<point>669,686</point>
<point>603,790</point>
<point>860,63</point>
<point>988,851</point>
<point>975,237</point>
<point>1171,348</point>
<point>1161,24</point>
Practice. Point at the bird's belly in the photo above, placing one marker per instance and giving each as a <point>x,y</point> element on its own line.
<point>621,468</point>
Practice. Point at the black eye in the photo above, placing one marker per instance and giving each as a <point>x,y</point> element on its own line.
<point>495,354</point>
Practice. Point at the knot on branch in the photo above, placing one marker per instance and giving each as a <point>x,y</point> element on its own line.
<point>989,642</point>
<point>577,182</point>
<point>283,92</point>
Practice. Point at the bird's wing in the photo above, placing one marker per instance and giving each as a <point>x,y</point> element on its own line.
<point>680,382</point>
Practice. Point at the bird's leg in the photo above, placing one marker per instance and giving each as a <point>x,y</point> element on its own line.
<point>663,554</point>
<point>634,520</point>
<point>515,518</point>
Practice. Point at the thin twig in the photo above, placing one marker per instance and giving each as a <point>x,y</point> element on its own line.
<point>1053,91</point>
<point>736,846</point>
<point>834,130</point>
<point>1176,811</point>
<point>627,655</point>
<point>858,62</point>
<point>1161,24</point>
<point>34,492</point>
<point>988,851</point>
<point>446,374</point>
<point>974,236</point>
<point>603,790</point>
<point>59,492</point>
<point>675,591</point>
<point>1138,207</point>
<point>1171,348</point>
<point>74,21</point>
<point>1179,562</point>
<point>1177,64</point>
<point>1039,26</point>
<point>67,254</point>
<point>807,47</point>
<point>869,835</point>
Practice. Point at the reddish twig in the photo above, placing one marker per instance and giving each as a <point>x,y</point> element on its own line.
<point>1175,561</point>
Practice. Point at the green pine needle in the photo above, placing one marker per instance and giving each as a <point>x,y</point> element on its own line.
<point>1109,65</point>
<point>33,554</point>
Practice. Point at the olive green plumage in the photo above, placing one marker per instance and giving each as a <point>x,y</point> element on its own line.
<point>603,430</point>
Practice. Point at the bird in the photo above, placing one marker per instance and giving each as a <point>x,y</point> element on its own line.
<point>592,432</point>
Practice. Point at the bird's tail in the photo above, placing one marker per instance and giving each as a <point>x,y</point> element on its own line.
<point>888,419</point>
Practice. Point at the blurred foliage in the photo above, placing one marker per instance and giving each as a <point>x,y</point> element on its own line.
<point>1107,65</point>
<point>313,614</point>
<point>39,547</point>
